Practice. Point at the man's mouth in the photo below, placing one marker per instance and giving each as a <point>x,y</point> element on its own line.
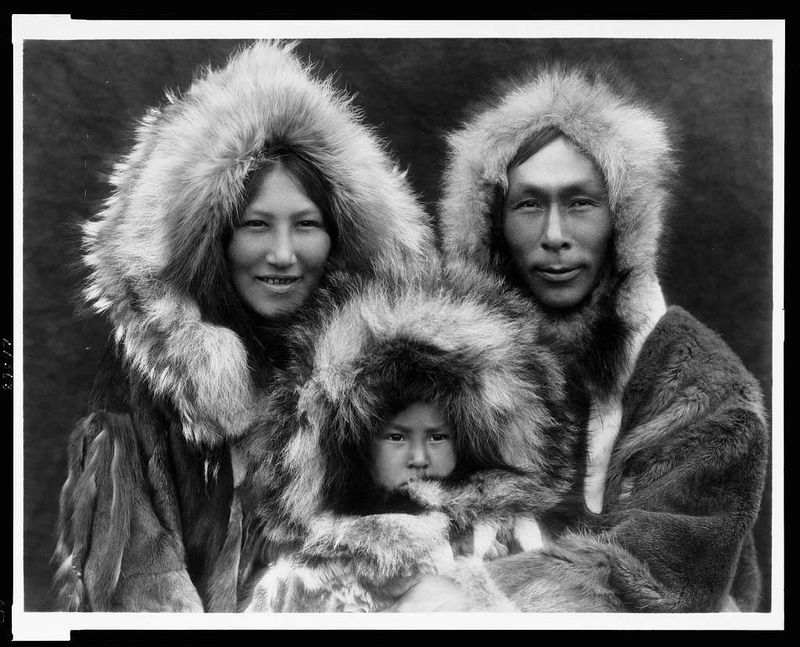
<point>557,273</point>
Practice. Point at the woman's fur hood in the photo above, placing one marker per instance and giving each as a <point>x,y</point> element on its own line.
<point>179,188</point>
<point>626,139</point>
<point>458,337</point>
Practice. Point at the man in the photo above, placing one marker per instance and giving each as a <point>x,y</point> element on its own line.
<point>560,186</point>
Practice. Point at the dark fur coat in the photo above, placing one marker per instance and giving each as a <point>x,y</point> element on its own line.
<point>676,434</point>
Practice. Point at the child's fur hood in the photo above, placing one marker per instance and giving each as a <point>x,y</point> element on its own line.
<point>628,141</point>
<point>174,194</point>
<point>458,336</point>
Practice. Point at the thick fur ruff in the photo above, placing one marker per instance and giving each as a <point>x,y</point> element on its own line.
<point>458,337</point>
<point>463,340</point>
<point>627,140</point>
<point>180,187</point>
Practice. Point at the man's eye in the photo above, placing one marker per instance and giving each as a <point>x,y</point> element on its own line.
<point>528,204</point>
<point>582,202</point>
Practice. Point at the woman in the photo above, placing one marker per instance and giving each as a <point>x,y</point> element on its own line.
<point>226,218</point>
<point>560,186</point>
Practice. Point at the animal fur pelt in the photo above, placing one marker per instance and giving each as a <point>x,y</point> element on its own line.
<point>460,339</point>
<point>155,250</point>
<point>105,519</point>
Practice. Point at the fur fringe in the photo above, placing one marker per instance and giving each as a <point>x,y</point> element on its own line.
<point>94,513</point>
<point>177,191</point>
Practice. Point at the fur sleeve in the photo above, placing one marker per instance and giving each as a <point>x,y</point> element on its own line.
<point>113,553</point>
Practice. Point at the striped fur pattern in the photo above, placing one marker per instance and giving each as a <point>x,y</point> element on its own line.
<point>471,345</point>
<point>179,188</point>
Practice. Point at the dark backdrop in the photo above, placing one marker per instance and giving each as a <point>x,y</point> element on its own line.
<point>81,98</point>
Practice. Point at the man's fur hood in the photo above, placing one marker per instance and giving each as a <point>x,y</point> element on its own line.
<point>158,236</point>
<point>627,140</point>
<point>458,337</point>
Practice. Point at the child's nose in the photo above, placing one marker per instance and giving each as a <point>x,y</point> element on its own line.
<point>418,456</point>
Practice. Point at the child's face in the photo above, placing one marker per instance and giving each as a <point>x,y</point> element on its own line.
<point>415,443</point>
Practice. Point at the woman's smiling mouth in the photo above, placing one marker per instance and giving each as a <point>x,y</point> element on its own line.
<point>278,284</point>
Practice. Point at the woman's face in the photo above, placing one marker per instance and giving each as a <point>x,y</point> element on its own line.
<point>413,444</point>
<point>278,252</point>
<point>557,223</point>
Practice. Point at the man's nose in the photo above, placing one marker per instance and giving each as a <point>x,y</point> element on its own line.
<point>418,455</point>
<point>554,236</point>
<point>281,249</point>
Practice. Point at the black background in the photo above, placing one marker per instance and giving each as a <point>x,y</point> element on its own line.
<point>80,100</point>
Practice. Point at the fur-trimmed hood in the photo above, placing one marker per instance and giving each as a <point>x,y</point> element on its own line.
<point>458,337</point>
<point>627,140</point>
<point>152,248</point>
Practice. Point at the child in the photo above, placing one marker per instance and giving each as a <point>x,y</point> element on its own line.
<point>426,427</point>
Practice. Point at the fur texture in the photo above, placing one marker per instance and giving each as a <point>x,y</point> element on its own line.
<point>683,492</point>
<point>180,187</point>
<point>676,435</point>
<point>149,519</point>
<point>460,339</point>
<point>627,140</point>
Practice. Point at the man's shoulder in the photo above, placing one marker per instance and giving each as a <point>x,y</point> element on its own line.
<point>680,340</point>
<point>678,328</point>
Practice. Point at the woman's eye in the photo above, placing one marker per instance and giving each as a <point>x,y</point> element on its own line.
<point>254,223</point>
<point>395,438</point>
<point>438,438</point>
<point>310,223</point>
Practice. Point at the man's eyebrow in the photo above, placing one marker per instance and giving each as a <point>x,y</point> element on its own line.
<point>574,187</point>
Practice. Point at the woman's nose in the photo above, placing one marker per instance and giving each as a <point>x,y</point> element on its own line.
<point>554,236</point>
<point>281,251</point>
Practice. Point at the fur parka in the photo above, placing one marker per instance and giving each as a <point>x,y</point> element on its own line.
<point>325,538</point>
<point>148,517</point>
<point>676,434</point>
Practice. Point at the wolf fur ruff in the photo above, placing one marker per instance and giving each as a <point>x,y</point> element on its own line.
<point>179,187</point>
<point>627,140</point>
<point>470,343</point>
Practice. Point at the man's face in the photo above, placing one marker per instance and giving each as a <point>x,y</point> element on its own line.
<point>415,443</point>
<point>557,223</point>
